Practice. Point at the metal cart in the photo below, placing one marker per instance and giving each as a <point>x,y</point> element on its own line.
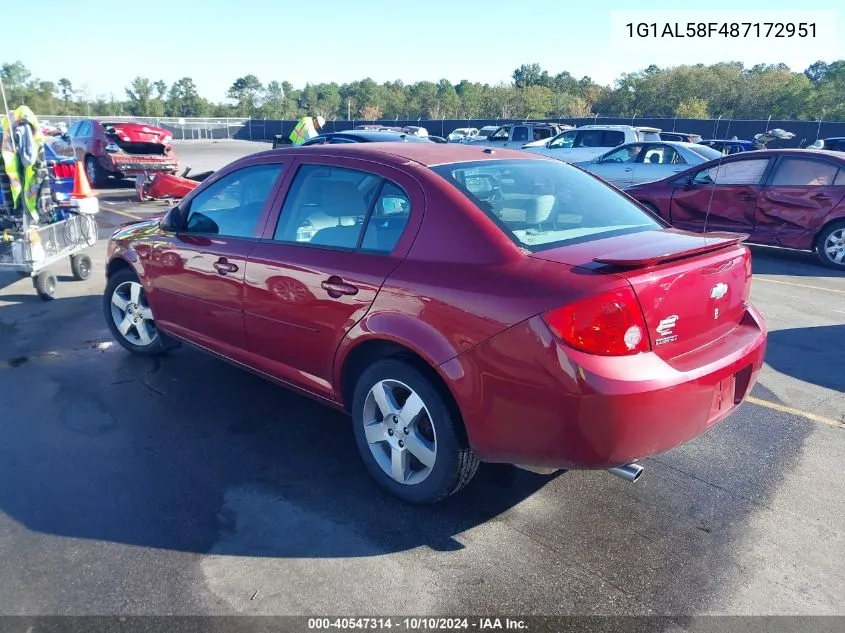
<point>28,250</point>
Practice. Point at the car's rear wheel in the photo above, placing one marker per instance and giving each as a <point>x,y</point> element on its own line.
<point>411,440</point>
<point>96,175</point>
<point>830,246</point>
<point>129,316</point>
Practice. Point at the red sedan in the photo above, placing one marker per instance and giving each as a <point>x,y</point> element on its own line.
<point>794,198</point>
<point>118,149</point>
<point>462,303</point>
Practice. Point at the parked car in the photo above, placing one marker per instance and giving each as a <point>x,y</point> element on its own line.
<point>486,131</point>
<point>462,134</point>
<point>834,144</point>
<point>436,139</point>
<point>794,198</point>
<point>728,147</point>
<point>683,137</point>
<point>461,304</point>
<point>364,136</point>
<point>61,171</point>
<point>634,163</point>
<point>515,135</point>
<point>588,141</point>
<point>117,149</point>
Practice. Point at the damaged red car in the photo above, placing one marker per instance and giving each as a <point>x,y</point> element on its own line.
<point>792,198</point>
<point>118,149</point>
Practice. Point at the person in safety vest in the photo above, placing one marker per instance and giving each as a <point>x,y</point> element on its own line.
<point>307,128</point>
<point>22,151</point>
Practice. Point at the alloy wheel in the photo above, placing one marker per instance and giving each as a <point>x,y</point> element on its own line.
<point>400,432</point>
<point>132,315</point>
<point>834,247</point>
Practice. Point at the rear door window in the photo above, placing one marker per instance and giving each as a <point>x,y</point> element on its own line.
<point>612,138</point>
<point>546,204</point>
<point>502,134</point>
<point>520,133</point>
<point>800,172</point>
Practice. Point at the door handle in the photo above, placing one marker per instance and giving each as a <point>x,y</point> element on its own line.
<point>336,287</point>
<point>820,196</point>
<point>223,266</point>
<point>746,197</point>
<point>629,169</point>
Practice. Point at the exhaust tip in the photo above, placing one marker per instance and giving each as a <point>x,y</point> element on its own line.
<point>629,472</point>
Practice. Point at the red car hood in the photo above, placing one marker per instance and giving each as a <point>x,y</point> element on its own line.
<point>139,133</point>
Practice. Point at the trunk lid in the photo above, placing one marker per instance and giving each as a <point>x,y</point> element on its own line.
<point>137,138</point>
<point>692,288</point>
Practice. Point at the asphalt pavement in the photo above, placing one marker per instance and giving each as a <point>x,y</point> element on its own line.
<point>186,486</point>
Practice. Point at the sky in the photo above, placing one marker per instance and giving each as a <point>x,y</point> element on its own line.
<point>102,45</point>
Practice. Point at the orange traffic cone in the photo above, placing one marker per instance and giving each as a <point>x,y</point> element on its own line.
<point>81,186</point>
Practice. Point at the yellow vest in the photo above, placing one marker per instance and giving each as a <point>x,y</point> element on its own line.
<point>303,131</point>
<point>30,182</point>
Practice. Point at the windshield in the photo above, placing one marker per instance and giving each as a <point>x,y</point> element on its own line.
<point>543,204</point>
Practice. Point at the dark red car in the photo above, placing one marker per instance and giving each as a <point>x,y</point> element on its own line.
<point>462,303</point>
<point>118,149</point>
<point>793,198</point>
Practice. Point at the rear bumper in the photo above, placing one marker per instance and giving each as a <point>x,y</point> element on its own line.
<point>572,410</point>
<point>135,164</point>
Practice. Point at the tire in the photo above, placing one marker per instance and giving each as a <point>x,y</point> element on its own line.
<point>80,266</point>
<point>97,176</point>
<point>150,341</point>
<point>436,433</point>
<point>832,237</point>
<point>45,285</point>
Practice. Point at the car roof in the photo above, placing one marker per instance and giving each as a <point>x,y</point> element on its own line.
<point>426,154</point>
<point>370,135</point>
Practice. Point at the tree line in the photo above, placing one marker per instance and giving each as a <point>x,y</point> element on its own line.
<point>727,90</point>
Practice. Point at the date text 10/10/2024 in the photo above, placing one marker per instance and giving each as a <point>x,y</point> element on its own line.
<point>722,29</point>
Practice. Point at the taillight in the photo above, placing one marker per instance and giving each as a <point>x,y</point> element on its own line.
<point>610,324</point>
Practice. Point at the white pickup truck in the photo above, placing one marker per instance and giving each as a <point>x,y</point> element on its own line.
<point>588,141</point>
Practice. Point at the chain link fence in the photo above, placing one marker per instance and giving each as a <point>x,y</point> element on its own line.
<point>217,128</point>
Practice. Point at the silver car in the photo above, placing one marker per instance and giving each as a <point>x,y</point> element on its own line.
<point>634,163</point>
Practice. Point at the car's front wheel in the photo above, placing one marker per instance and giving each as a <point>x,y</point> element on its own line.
<point>830,246</point>
<point>129,316</point>
<point>411,440</point>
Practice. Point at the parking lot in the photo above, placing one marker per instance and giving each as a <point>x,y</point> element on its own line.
<point>187,486</point>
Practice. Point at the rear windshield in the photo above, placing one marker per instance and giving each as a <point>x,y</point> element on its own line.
<point>543,204</point>
<point>706,152</point>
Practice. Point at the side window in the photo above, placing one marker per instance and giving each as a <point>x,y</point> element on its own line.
<point>627,154</point>
<point>84,130</point>
<point>326,206</point>
<point>612,138</point>
<point>798,172</point>
<point>520,133</point>
<point>563,141</point>
<point>739,172</point>
<point>542,132</point>
<point>662,155</point>
<point>589,138</point>
<point>74,129</point>
<point>339,139</point>
<point>388,220</point>
<point>319,140</point>
<point>840,179</point>
<point>232,206</point>
<point>502,134</point>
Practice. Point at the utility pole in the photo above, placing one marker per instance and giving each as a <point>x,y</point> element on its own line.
<point>348,108</point>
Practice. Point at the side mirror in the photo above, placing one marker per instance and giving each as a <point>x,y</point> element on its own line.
<point>688,182</point>
<point>171,222</point>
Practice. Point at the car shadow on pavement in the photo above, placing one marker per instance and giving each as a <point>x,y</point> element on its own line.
<point>810,354</point>
<point>189,454</point>
<point>780,261</point>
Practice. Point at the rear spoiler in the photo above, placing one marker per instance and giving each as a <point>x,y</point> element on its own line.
<point>658,251</point>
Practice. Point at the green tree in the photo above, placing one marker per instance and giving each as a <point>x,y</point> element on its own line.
<point>245,91</point>
<point>692,108</point>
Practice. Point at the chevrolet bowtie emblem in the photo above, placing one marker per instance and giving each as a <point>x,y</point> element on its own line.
<point>718,291</point>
